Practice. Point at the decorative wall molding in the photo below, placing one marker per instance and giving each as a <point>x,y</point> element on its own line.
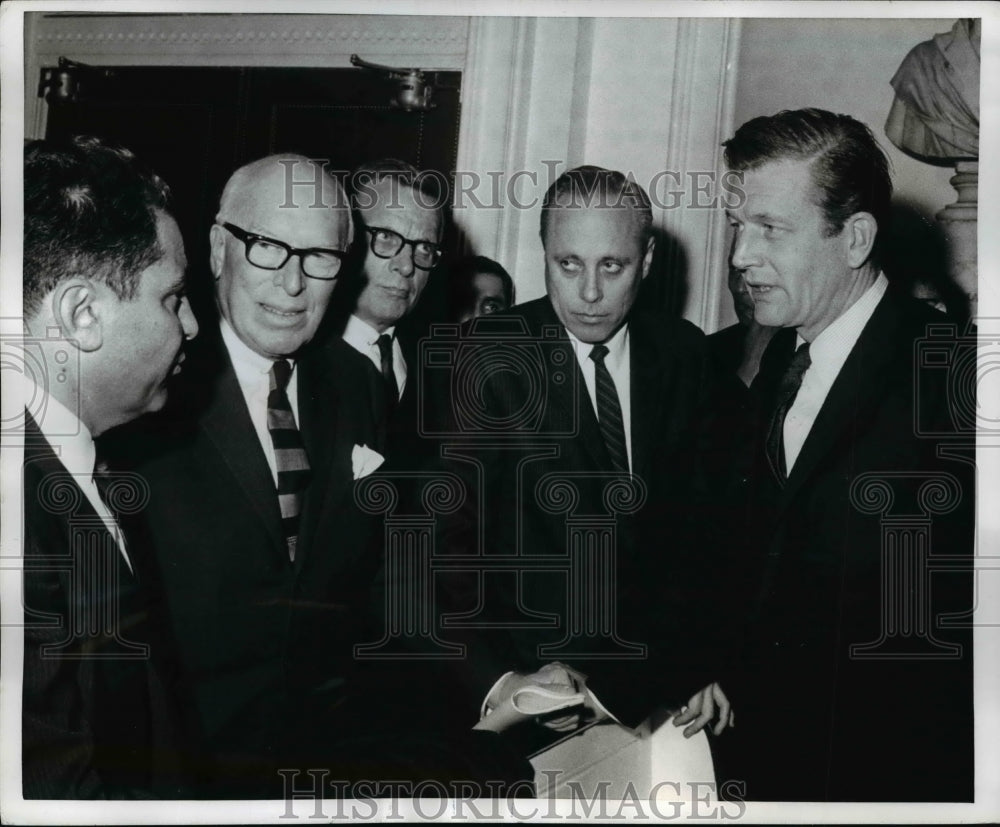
<point>701,117</point>
<point>274,35</point>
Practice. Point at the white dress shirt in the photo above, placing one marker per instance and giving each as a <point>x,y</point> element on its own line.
<point>72,443</point>
<point>253,374</point>
<point>364,339</point>
<point>619,363</point>
<point>827,354</point>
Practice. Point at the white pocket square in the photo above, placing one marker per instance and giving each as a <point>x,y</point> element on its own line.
<point>364,460</point>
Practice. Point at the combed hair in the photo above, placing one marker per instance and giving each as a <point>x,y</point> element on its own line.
<point>849,170</point>
<point>431,187</point>
<point>89,210</point>
<point>587,187</point>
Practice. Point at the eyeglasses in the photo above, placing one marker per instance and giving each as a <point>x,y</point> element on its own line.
<point>386,243</point>
<point>270,254</point>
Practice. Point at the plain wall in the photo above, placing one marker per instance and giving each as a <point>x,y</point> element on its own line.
<point>844,66</point>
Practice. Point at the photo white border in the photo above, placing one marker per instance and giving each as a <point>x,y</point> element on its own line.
<point>987,663</point>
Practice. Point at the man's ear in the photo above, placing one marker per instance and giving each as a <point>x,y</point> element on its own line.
<point>859,238</point>
<point>79,313</point>
<point>647,258</point>
<point>217,254</point>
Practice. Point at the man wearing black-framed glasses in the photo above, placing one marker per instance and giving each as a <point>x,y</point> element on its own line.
<point>401,224</point>
<point>252,526</point>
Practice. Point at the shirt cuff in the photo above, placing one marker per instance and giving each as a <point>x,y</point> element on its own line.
<point>487,706</point>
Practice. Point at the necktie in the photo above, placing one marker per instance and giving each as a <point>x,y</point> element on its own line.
<point>609,411</point>
<point>385,357</point>
<point>787,391</point>
<point>104,482</point>
<point>104,479</point>
<point>290,458</point>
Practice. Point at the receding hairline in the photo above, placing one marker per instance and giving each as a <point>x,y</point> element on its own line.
<point>245,186</point>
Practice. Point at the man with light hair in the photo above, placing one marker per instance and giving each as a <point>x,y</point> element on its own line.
<point>266,560</point>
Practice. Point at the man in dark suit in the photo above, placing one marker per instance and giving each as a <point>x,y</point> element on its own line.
<point>401,224</point>
<point>266,559</point>
<point>106,314</point>
<point>251,518</point>
<point>569,419</point>
<point>849,686</point>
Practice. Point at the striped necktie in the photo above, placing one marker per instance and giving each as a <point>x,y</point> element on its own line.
<point>290,458</point>
<point>609,411</point>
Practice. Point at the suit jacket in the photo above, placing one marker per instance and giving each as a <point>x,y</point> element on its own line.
<point>262,639</point>
<point>817,722</point>
<point>394,425</point>
<point>537,462</point>
<point>99,713</point>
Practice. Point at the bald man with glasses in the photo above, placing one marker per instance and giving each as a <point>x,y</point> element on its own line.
<point>265,559</point>
<point>251,523</point>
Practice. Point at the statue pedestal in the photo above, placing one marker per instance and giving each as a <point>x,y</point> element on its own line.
<point>959,222</point>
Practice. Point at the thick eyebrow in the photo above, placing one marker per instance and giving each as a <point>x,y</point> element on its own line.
<point>768,218</point>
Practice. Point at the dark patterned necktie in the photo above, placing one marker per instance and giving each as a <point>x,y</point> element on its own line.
<point>787,391</point>
<point>385,357</point>
<point>290,458</point>
<point>609,411</point>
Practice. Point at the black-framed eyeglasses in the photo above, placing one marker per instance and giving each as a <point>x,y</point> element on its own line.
<point>270,254</point>
<point>386,243</point>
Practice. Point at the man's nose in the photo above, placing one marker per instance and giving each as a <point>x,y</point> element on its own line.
<point>292,279</point>
<point>189,324</point>
<point>402,262</point>
<point>590,286</point>
<point>745,251</point>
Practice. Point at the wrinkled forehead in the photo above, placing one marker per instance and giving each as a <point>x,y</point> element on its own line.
<point>594,222</point>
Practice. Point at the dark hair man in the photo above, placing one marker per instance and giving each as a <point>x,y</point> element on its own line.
<point>106,315</point>
<point>478,286</point>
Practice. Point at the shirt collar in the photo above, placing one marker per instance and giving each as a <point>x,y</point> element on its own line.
<point>249,365</point>
<point>360,335</point>
<point>832,346</point>
<point>617,346</point>
<point>62,429</point>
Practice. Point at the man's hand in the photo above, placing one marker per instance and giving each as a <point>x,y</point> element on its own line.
<point>702,708</point>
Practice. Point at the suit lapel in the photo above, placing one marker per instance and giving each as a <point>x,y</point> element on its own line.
<point>227,424</point>
<point>329,455</point>
<point>649,376</point>
<point>41,461</point>
<point>857,387</point>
